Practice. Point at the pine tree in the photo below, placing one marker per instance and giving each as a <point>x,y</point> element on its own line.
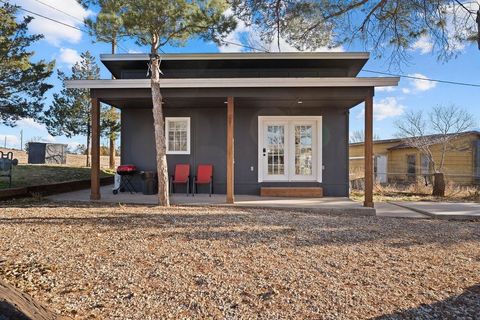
<point>69,113</point>
<point>156,23</point>
<point>108,27</point>
<point>387,28</point>
<point>22,82</point>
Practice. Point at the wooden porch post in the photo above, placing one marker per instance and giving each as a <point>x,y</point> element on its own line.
<point>95,170</point>
<point>230,150</point>
<point>368,202</point>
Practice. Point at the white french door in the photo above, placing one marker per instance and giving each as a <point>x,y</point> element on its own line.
<point>289,149</point>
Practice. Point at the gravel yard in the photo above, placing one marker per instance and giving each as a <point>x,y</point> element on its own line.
<point>138,262</point>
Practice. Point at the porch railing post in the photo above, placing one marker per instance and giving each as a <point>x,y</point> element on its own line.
<point>230,150</point>
<point>368,202</point>
<point>95,170</point>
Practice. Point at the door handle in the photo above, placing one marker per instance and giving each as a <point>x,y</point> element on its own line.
<point>264,151</point>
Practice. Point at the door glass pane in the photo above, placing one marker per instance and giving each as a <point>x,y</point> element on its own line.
<point>303,150</point>
<point>276,149</point>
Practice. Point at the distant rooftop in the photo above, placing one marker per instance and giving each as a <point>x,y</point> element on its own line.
<point>402,145</point>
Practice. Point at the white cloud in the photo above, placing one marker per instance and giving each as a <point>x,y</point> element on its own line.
<point>12,141</point>
<point>406,90</point>
<point>385,89</point>
<point>31,123</point>
<point>69,56</point>
<point>39,130</point>
<point>423,44</point>
<point>459,22</point>
<point>48,138</point>
<point>54,32</point>
<point>385,108</point>
<point>421,85</point>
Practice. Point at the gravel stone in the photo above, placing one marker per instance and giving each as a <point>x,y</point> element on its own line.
<point>93,261</point>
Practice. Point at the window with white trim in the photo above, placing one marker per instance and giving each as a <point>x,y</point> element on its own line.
<point>177,134</point>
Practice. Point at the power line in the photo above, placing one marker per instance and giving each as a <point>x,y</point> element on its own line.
<point>426,79</point>
<point>386,73</point>
<point>261,50</point>
<point>48,18</point>
<point>245,46</point>
<point>60,22</point>
<point>56,9</point>
<point>72,16</point>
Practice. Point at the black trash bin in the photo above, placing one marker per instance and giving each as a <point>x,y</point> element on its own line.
<point>149,179</point>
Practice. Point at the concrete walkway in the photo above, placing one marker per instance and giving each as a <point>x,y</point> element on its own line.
<point>325,205</point>
<point>445,210</point>
<point>385,209</point>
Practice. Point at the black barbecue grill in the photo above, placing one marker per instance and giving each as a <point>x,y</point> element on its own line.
<point>126,173</point>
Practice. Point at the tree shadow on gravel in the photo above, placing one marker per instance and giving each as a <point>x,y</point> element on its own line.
<point>246,226</point>
<point>463,306</point>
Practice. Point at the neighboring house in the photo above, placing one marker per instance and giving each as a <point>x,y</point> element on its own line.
<point>287,114</point>
<point>394,161</point>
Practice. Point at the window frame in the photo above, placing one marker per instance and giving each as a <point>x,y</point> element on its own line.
<point>168,120</point>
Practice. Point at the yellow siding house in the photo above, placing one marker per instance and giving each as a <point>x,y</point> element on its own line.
<point>396,162</point>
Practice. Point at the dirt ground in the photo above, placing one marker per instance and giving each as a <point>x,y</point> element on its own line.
<point>138,262</point>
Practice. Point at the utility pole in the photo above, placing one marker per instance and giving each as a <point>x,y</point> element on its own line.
<point>21,140</point>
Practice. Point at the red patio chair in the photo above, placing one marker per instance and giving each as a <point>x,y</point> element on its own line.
<point>181,176</point>
<point>204,176</point>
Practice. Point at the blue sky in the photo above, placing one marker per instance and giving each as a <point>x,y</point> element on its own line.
<point>65,44</point>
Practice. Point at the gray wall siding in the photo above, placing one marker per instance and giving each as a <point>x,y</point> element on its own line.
<point>208,144</point>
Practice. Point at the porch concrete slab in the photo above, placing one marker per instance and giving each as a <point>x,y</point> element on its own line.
<point>107,196</point>
<point>445,210</point>
<point>385,209</point>
<point>325,205</point>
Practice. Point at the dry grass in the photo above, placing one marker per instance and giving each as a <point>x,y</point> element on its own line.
<point>34,175</point>
<point>420,192</point>
<point>138,262</point>
<point>73,160</point>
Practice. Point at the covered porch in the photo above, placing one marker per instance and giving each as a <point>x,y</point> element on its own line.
<point>306,96</point>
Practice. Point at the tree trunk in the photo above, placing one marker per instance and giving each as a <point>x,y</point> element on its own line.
<point>112,151</point>
<point>438,185</point>
<point>111,156</point>
<point>88,146</point>
<point>158,121</point>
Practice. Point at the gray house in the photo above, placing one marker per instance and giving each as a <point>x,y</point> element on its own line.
<point>285,115</point>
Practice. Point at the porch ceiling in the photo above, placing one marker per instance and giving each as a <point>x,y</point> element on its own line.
<point>244,97</point>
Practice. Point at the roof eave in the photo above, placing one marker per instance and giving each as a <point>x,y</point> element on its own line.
<point>238,56</point>
<point>236,83</point>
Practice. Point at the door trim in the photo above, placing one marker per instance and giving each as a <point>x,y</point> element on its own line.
<point>291,119</point>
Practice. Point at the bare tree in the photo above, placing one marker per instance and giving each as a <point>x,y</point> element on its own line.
<point>359,136</point>
<point>440,127</point>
